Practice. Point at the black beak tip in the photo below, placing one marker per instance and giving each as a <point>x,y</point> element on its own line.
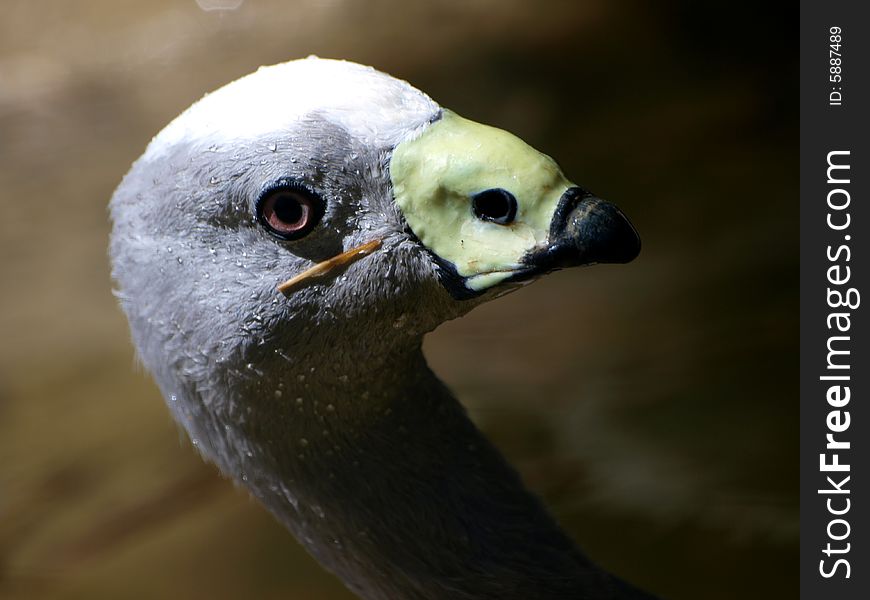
<point>611,236</point>
<point>585,231</point>
<point>601,233</point>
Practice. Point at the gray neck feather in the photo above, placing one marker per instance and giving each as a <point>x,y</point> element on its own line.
<point>381,475</point>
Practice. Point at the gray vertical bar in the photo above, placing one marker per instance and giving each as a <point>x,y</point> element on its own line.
<point>826,128</point>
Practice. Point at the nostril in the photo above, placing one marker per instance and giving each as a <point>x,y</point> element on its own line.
<point>496,205</point>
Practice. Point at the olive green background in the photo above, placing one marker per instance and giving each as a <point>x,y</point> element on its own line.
<point>653,405</point>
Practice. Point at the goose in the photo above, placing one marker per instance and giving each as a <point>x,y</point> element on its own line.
<point>281,248</point>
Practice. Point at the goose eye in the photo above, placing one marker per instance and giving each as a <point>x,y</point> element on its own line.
<point>496,205</point>
<point>289,213</point>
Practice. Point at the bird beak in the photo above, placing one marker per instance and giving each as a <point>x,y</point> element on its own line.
<point>585,231</point>
<point>323,268</point>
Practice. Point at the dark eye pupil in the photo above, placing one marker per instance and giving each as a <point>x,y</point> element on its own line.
<point>496,205</point>
<point>288,209</point>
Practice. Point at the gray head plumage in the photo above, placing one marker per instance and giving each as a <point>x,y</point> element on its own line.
<point>289,393</point>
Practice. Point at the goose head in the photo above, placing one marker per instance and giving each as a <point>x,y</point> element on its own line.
<point>283,245</point>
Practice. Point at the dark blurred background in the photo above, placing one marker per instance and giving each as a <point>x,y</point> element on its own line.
<point>653,405</point>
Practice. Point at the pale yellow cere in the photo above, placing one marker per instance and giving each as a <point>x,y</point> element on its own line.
<point>435,175</point>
